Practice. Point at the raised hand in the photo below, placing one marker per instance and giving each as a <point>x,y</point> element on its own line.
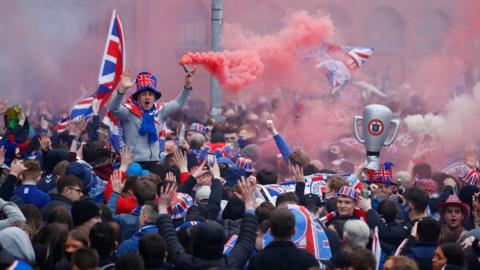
<point>166,197</point>
<point>271,127</point>
<point>126,82</point>
<point>43,123</point>
<point>45,143</point>
<point>215,170</point>
<point>17,168</point>
<point>170,178</point>
<point>247,193</point>
<point>188,78</point>
<point>297,173</point>
<point>117,181</point>
<point>180,160</point>
<point>200,170</point>
<point>78,126</point>
<point>126,158</point>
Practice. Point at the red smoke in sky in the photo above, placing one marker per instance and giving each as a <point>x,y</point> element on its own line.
<point>233,69</point>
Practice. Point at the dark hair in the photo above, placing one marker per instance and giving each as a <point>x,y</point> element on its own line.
<point>299,157</point>
<point>290,197</point>
<point>33,171</point>
<point>266,177</point>
<point>419,199</point>
<point>335,182</point>
<point>85,258</point>
<point>53,237</point>
<point>327,171</point>
<point>152,247</point>
<point>102,156</point>
<point>60,168</point>
<point>68,181</point>
<point>217,137</point>
<point>454,254</point>
<point>361,259</point>
<point>282,223</point>
<point>428,230</point>
<point>33,217</point>
<point>102,238</point>
<point>105,212</point>
<point>310,169</point>
<point>79,234</point>
<point>264,211</point>
<point>130,261</point>
<point>422,170</point>
<point>90,151</point>
<point>61,215</point>
<point>439,177</point>
<point>144,191</point>
<point>402,263</point>
<point>388,209</point>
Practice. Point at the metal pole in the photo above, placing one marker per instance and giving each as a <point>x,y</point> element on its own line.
<point>217,21</point>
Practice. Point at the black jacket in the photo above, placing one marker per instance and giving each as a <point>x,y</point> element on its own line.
<point>57,201</point>
<point>157,265</point>
<point>282,255</point>
<point>235,259</point>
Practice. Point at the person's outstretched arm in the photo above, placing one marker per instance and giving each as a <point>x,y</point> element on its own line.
<point>165,227</point>
<point>174,105</point>
<point>116,107</point>
<point>282,145</point>
<point>246,239</point>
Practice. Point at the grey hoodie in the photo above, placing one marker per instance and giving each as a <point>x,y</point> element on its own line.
<point>17,242</point>
<point>12,212</point>
<point>142,150</point>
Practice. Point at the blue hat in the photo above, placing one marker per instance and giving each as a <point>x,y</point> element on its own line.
<point>226,161</point>
<point>83,171</point>
<point>233,175</point>
<point>146,81</point>
<point>136,170</point>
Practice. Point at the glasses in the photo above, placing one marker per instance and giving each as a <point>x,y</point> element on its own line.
<point>79,190</point>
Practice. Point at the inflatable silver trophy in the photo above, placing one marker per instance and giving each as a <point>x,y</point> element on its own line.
<point>376,123</point>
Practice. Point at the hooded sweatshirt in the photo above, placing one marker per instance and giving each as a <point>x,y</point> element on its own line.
<point>17,242</point>
<point>142,149</point>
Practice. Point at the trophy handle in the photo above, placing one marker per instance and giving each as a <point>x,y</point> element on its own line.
<point>395,132</point>
<point>356,118</point>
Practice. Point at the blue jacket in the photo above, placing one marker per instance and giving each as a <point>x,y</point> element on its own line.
<point>421,252</point>
<point>128,222</point>
<point>282,145</point>
<point>131,244</point>
<point>32,194</point>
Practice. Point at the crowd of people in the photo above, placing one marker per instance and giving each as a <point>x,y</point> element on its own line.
<point>181,190</point>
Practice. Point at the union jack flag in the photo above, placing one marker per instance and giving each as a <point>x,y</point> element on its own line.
<point>472,177</point>
<point>144,80</point>
<point>116,132</point>
<point>309,235</point>
<point>384,176</point>
<point>62,124</point>
<point>179,208</point>
<point>359,54</point>
<point>113,62</point>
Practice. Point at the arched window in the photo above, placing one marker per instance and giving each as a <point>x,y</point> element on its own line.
<point>431,28</point>
<point>384,29</point>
